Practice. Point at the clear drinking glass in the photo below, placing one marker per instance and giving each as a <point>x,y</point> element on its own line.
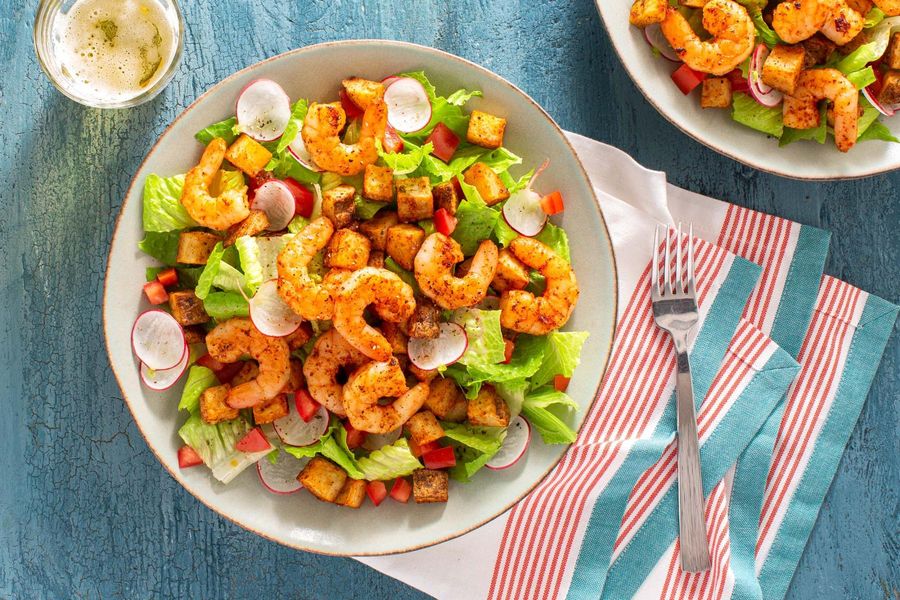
<point>109,53</point>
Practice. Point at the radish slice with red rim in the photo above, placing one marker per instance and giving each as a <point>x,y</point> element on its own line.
<point>158,340</point>
<point>298,150</point>
<point>276,200</point>
<point>762,93</point>
<point>518,436</point>
<point>280,477</point>
<point>523,212</point>
<point>887,111</point>
<point>377,441</point>
<point>447,348</point>
<point>294,431</point>
<point>269,313</point>
<point>387,81</point>
<point>654,36</point>
<point>409,108</point>
<point>263,110</point>
<point>163,379</point>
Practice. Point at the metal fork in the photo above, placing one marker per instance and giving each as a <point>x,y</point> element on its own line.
<point>675,311</point>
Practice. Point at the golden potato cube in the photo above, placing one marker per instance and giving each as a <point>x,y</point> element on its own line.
<point>716,93</point>
<point>213,406</point>
<point>403,243</point>
<point>423,374</point>
<point>338,205</point>
<point>194,334</point>
<point>446,400</point>
<point>376,259</point>
<point>511,273</point>
<point>378,183</point>
<point>890,89</point>
<point>377,227</point>
<point>485,130</point>
<point>892,55</point>
<point>430,486</point>
<point>425,320</point>
<point>424,428</point>
<point>818,50</point>
<point>395,337</point>
<point>271,410</point>
<point>414,199</point>
<point>248,155</point>
<point>782,68</point>
<point>445,197</point>
<point>194,247</point>
<point>488,183</point>
<point>347,249</point>
<point>300,337</point>
<point>249,371</point>
<point>254,224</point>
<point>647,12</point>
<point>362,91</point>
<point>187,308</point>
<point>323,478</point>
<point>488,409</point>
<point>352,494</point>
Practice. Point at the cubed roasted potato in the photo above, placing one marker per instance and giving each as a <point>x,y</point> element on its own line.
<point>249,371</point>
<point>213,406</point>
<point>818,50</point>
<point>300,337</point>
<point>403,243</point>
<point>424,428</point>
<point>248,155</point>
<point>194,247</point>
<point>271,410</point>
<point>488,409</point>
<point>414,199</point>
<point>489,185</point>
<point>187,308</point>
<point>363,91</point>
<point>254,224</point>
<point>511,273</point>
<point>376,228</point>
<point>485,130</point>
<point>647,12</point>
<point>352,494</point>
<point>378,183</point>
<point>716,93</point>
<point>430,486</point>
<point>425,320</point>
<point>423,374</point>
<point>395,337</point>
<point>892,55</point>
<point>347,250</point>
<point>890,89</point>
<point>323,478</point>
<point>446,400</point>
<point>194,334</point>
<point>445,197</point>
<point>781,69</point>
<point>376,259</point>
<point>338,205</point>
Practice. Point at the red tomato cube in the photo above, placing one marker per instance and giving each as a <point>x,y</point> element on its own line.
<point>156,292</point>
<point>441,458</point>
<point>552,203</point>
<point>418,450</point>
<point>168,278</point>
<point>508,347</point>
<point>376,491</point>
<point>560,383</point>
<point>401,490</point>
<point>188,457</point>
<point>355,437</point>
<point>351,109</point>
<point>444,141</point>
<point>306,406</point>
<point>254,441</point>
<point>444,222</point>
<point>687,79</point>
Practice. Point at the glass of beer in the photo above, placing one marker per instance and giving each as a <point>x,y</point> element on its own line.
<point>109,53</point>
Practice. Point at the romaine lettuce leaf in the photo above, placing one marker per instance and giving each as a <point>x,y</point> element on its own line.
<point>163,246</point>
<point>408,161</point>
<point>468,462</point>
<point>862,78</point>
<point>210,271</point>
<point>227,130</point>
<point>476,222</point>
<point>297,224</point>
<point>162,208</point>
<point>486,347</point>
<point>556,238</point>
<point>561,355</point>
<point>283,164</point>
<point>408,278</point>
<point>483,439</point>
<point>462,96</point>
<point>222,306</point>
<point>198,379</point>
<point>298,113</point>
<point>366,209</point>
<point>877,131</point>
<point>215,445</point>
<point>544,409</point>
<point>251,263</point>
<point>874,17</point>
<point>389,462</point>
<point>747,111</point>
<point>513,393</point>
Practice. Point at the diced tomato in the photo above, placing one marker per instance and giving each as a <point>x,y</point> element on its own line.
<point>875,87</point>
<point>457,187</point>
<point>188,457</point>
<point>418,450</point>
<point>377,492</point>
<point>444,222</point>
<point>210,363</point>
<point>254,441</point>
<point>352,110</point>
<point>355,437</point>
<point>552,203</point>
<point>738,82</point>
<point>508,347</point>
<point>687,79</point>
<point>306,406</point>
<point>168,278</point>
<point>441,458</point>
<point>401,490</point>
<point>560,383</point>
<point>303,197</point>
<point>156,292</point>
<point>444,141</point>
<point>392,140</point>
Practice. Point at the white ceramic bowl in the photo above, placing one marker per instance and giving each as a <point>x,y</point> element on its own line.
<point>716,129</point>
<point>299,520</point>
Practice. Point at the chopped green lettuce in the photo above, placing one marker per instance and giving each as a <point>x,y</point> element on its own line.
<point>216,445</point>
<point>298,113</point>
<point>468,462</point>
<point>389,462</point>
<point>408,278</point>
<point>513,393</point>
<point>461,97</point>
<point>862,78</point>
<point>483,439</point>
<point>251,265</point>
<point>205,283</point>
<point>486,347</point>
<point>198,379</point>
<point>227,130</point>
<point>297,224</point>
<point>162,208</point>
<point>443,110</point>
<point>545,409</point>
<point>283,164</point>
<point>561,355</point>
<point>556,238</point>
<point>877,131</point>
<point>765,33</point>
<point>504,233</point>
<point>874,17</point>
<point>747,111</point>
<point>222,306</point>
<point>408,161</point>
<point>525,361</point>
<point>860,57</point>
<point>366,209</point>
<point>163,246</point>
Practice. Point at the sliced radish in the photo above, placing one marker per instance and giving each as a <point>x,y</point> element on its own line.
<point>447,348</point>
<point>263,110</point>
<point>280,477</point>
<point>294,431</point>
<point>408,106</point>
<point>388,81</point>
<point>298,150</point>
<point>654,36</point>
<point>524,214</point>
<point>887,111</point>
<point>377,441</point>
<point>269,313</point>
<point>518,435</point>
<point>762,93</point>
<point>163,379</point>
<point>158,340</point>
<point>276,200</point>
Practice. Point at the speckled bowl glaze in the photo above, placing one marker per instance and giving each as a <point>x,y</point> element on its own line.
<point>299,520</point>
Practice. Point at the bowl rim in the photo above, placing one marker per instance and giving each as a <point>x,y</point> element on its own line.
<point>319,46</point>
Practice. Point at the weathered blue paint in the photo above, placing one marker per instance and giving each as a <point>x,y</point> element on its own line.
<point>86,511</point>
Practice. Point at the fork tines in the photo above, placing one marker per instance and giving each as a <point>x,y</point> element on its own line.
<point>683,286</point>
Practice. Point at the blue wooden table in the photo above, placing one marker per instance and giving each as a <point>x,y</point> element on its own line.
<point>85,509</point>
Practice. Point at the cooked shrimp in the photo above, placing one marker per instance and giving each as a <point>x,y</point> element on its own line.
<point>334,279</point>
<point>330,354</point>
<point>797,20</point>
<point>216,212</point>
<point>321,135</point>
<point>231,340</point>
<point>434,266</point>
<point>843,23</point>
<point>733,37</point>
<point>376,380</point>
<point>306,297</point>
<point>889,7</point>
<point>800,110</point>
<point>538,315</point>
<point>392,299</point>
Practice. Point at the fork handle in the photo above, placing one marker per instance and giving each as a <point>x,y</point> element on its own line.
<point>691,517</point>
